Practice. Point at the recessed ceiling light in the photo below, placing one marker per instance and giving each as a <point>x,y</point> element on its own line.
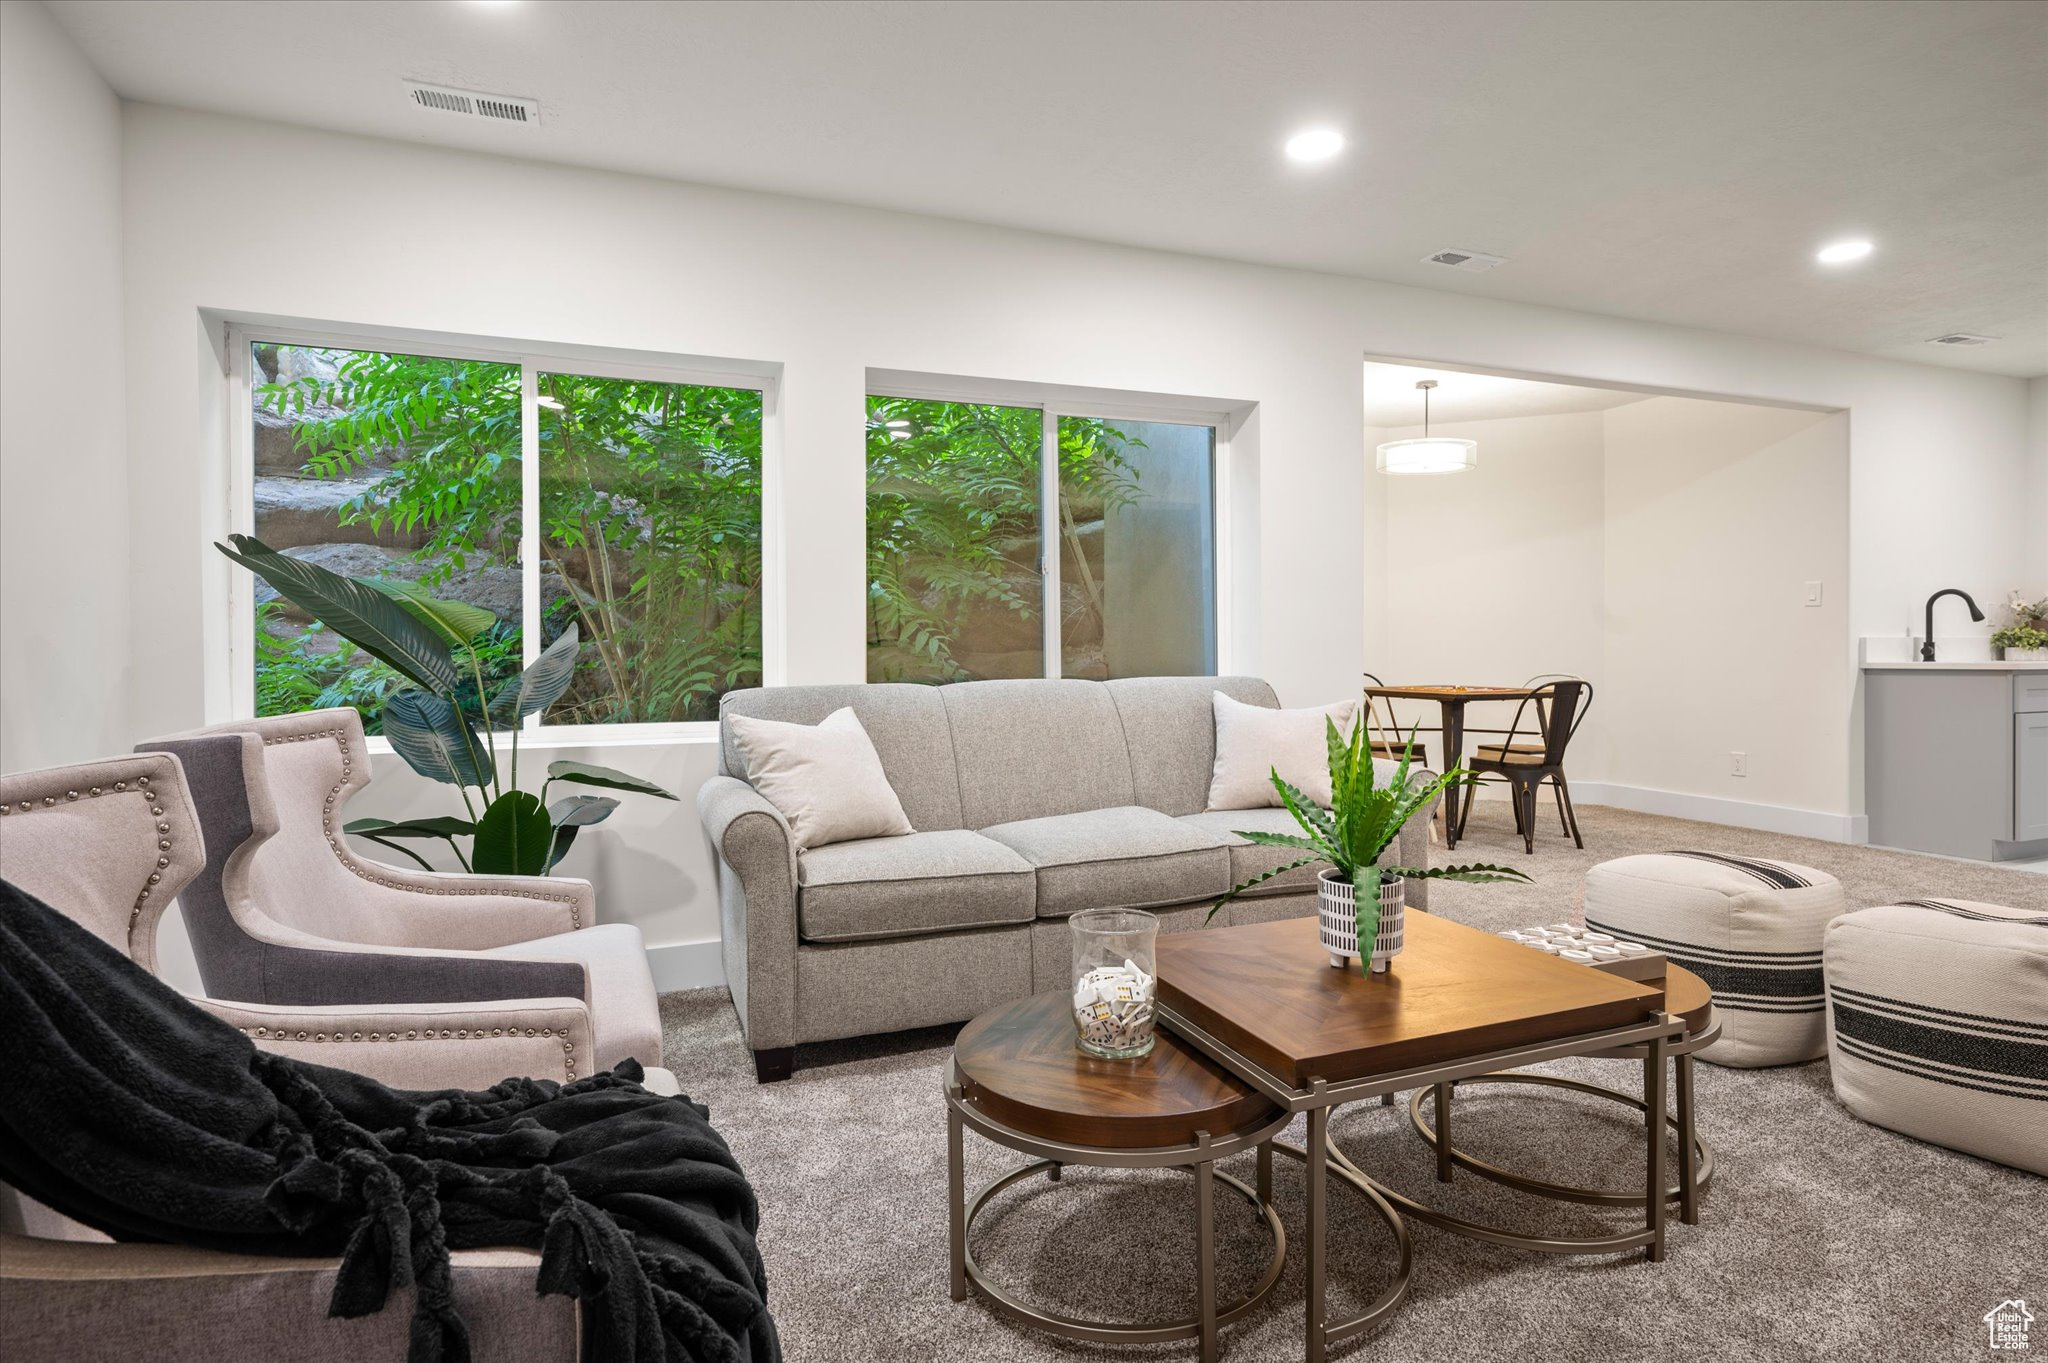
<point>1842,252</point>
<point>1314,144</point>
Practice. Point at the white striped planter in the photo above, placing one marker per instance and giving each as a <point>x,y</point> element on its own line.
<point>1338,917</point>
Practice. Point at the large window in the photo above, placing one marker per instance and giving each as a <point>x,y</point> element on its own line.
<point>1007,541</point>
<point>640,522</point>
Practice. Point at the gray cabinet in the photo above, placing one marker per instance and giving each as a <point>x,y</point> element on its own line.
<point>2030,780</point>
<point>1956,759</point>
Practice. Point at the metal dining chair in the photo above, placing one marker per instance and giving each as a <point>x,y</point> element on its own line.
<point>1562,702</point>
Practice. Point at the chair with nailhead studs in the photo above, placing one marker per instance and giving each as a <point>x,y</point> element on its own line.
<point>110,844</point>
<point>286,913</point>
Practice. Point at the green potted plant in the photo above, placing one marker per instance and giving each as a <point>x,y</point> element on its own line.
<point>2025,640</point>
<point>442,732</point>
<point>1360,901</point>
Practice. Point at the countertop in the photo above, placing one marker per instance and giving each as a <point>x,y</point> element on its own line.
<point>1955,667</point>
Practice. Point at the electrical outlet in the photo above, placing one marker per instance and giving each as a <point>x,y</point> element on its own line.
<point>1813,593</point>
<point>1738,764</point>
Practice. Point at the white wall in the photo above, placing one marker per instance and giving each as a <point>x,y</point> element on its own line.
<point>357,231</point>
<point>2035,559</point>
<point>64,523</point>
<point>1493,576</point>
<point>1718,514</point>
<point>1659,549</point>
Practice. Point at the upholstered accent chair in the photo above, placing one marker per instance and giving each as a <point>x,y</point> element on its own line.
<point>1032,800</point>
<point>285,913</point>
<point>111,843</point>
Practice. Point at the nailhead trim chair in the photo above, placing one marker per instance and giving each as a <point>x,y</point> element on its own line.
<point>110,843</point>
<point>285,912</point>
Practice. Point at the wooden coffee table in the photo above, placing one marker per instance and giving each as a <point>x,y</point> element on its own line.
<point>1018,1079</point>
<point>1458,1003</point>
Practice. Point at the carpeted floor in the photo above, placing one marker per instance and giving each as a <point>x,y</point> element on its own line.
<point>1822,1238</point>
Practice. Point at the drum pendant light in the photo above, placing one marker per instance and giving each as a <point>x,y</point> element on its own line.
<point>1430,454</point>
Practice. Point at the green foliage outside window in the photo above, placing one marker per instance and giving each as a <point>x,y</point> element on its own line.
<point>954,584</point>
<point>651,508</point>
<point>650,518</point>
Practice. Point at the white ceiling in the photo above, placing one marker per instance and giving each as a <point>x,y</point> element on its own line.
<point>1391,399</point>
<point>1676,161</point>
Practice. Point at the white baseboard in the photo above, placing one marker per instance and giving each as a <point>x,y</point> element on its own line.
<point>1802,823</point>
<point>686,965</point>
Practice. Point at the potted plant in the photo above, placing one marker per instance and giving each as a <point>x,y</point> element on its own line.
<point>434,725</point>
<point>2025,640</point>
<point>1360,901</point>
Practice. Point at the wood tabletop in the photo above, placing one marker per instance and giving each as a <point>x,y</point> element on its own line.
<point>1686,996</point>
<point>1268,991</point>
<point>1019,1065</point>
<point>1450,692</point>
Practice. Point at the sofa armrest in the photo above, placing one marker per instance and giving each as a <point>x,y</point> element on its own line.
<point>426,1045</point>
<point>757,881</point>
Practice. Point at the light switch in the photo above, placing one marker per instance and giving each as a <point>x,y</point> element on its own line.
<point>1813,593</point>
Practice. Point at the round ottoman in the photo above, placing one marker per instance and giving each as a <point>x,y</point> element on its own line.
<point>1938,1024</point>
<point>1750,928</point>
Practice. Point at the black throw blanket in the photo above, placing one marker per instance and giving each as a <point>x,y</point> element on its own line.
<point>127,1108</point>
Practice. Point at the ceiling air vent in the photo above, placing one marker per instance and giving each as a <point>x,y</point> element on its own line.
<point>1960,338</point>
<point>442,99</point>
<point>1472,262</point>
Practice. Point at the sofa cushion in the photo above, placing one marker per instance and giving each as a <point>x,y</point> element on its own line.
<point>1170,729</point>
<point>1124,857</point>
<point>906,723</point>
<point>1248,859</point>
<point>900,887</point>
<point>1035,748</point>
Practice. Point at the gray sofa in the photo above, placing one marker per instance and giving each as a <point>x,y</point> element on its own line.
<point>1031,800</point>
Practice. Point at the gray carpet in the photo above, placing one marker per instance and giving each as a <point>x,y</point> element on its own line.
<point>1822,1237</point>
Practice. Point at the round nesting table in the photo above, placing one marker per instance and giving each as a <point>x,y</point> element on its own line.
<point>1688,998</point>
<point>1018,1080</point>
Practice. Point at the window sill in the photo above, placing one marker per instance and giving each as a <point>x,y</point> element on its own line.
<point>694,734</point>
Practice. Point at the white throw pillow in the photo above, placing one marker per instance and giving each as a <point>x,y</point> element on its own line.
<point>826,778</point>
<point>1252,742</point>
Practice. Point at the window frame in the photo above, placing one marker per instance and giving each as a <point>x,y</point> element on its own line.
<point>532,360</point>
<point>1052,403</point>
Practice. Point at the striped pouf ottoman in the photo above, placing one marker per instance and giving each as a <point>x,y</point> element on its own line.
<point>1750,928</point>
<point>1938,1024</point>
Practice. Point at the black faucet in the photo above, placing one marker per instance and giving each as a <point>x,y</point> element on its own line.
<point>1927,646</point>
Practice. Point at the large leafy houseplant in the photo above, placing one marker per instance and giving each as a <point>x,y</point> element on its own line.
<point>444,724</point>
<point>1362,821</point>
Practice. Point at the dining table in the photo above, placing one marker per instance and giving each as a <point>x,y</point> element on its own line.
<point>1451,700</point>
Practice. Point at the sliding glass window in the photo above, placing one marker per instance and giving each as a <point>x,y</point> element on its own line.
<point>640,522</point>
<point>650,541</point>
<point>1006,543</point>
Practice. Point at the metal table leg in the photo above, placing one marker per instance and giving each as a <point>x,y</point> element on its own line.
<point>1653,1125</point>
<point>1205,1250</point>
<point>1688,1157</point>
<point>1318,1229</point>
<point>956,1195</point>
<point>1443,1133</point>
